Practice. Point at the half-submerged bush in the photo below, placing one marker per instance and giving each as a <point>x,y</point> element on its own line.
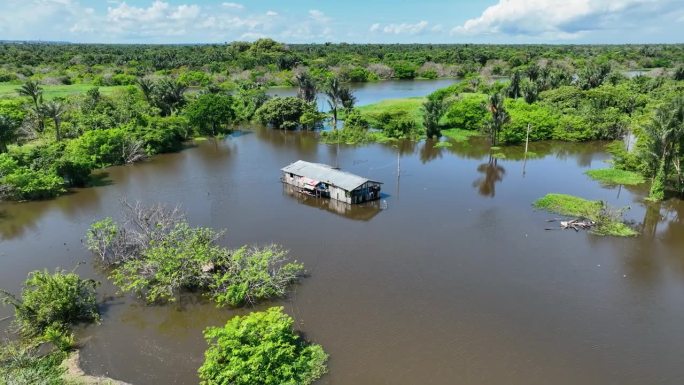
<point>51,303</point>
<point>156,254</point>
<point>260,348</point>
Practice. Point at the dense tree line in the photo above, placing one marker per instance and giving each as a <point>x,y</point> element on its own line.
<point>273,63</point>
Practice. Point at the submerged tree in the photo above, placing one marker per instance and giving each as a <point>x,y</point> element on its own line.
<point>306,86</point>
<point>210,113</point>
<point>157,255</point>
<point>338,94</point>
<point>433,109</point>
<point>499,116</point>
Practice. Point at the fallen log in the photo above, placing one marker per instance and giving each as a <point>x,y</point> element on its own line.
<point>577,224</point>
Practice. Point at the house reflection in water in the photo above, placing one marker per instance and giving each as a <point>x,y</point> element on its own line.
<point>359,212</point>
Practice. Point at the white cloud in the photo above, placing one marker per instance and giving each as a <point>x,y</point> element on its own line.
<point>271,13</point>
<point>375,27</point>
<point>318,16</point>
<point>406,28</point>
<point>554,19</point>
<point>437,28</point>
<point>233,5</point>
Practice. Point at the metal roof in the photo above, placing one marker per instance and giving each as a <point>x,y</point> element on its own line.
<point>326,174</point>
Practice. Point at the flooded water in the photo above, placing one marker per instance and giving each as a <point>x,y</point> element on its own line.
<point>368,93</point>
<point>450,279</point>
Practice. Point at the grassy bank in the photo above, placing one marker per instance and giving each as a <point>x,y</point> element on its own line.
<point>459,135</point>
<point>615,176</point>
<point>9,90</point>
<point>409,107</point>
<point>608,222</point>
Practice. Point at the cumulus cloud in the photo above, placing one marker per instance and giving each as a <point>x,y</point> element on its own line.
<point>233,5</point>
<point>564,19</point>
<point>405,28</point>
<point>375,27</point>
<point>271,13</point>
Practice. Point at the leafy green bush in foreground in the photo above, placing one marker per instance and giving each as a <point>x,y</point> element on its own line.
<point>260,348</point>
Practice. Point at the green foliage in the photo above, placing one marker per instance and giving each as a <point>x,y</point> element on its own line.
<point>433,109</point>
<point>210,113</point>
<point>165,256</point>
<point>541,120</point>
<point>608,221</point>
<point>51,303</point>
<point>616,176</point>
<point>28,184</point>
<point>283,113</point>
<point>249,276</point>
<point>173,263</point>
<point>101,148</point>
<point>404,70</point>
<point>459,135</point>
<point>163,134</point>
<point>260,348</point>
<point>467,112</point>
<point>24,365</point>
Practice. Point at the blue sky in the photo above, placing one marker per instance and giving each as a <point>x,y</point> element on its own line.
<point>353,21</point>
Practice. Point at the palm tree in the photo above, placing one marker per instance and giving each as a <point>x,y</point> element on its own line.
<point>514,88</point>
<point>147,87</point>
<point>498,114</point>
<point>35,92</point>
<point>339,94</point>
<point>347,98</point>
<point>54,110</point>
<point>332,91</point>
<point>169,95</point>
<point>663,136</point>
<point>307,86</point>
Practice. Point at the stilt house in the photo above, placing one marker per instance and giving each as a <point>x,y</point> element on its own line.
<point>327,182</point>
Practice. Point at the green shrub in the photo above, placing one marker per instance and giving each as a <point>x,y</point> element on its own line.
<point>467,112</point>
<point>27,184</point>
<point>102,148</point>
<point>24,365</point>
<point>541,120</point>
<point>248,276</point>
<point>283,113</point>
<point>260,348</point>
<point>53,302</point>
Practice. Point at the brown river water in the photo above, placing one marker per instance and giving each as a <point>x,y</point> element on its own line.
<point>450,279</point>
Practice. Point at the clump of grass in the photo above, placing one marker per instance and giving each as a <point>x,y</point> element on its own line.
<point>459,135</point>
<point>443,145</point>
<point>608,220</point>
<point>499,155</point>
<point>410,107</point>
<point>615,176</point>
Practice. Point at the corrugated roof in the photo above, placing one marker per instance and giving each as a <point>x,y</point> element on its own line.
<point>326,174</point>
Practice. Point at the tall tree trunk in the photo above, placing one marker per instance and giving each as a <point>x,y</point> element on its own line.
<point>58,132</point>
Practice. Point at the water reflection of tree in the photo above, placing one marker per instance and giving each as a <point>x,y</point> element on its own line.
<point>429,152</point>
<point>658,248</point>
<point>493,173</point>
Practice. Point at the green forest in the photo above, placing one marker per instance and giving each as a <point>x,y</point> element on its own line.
<point>69,109</point>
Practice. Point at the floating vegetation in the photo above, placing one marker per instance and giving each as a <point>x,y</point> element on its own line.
<point>614,176</point>
<point>604,219</point>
